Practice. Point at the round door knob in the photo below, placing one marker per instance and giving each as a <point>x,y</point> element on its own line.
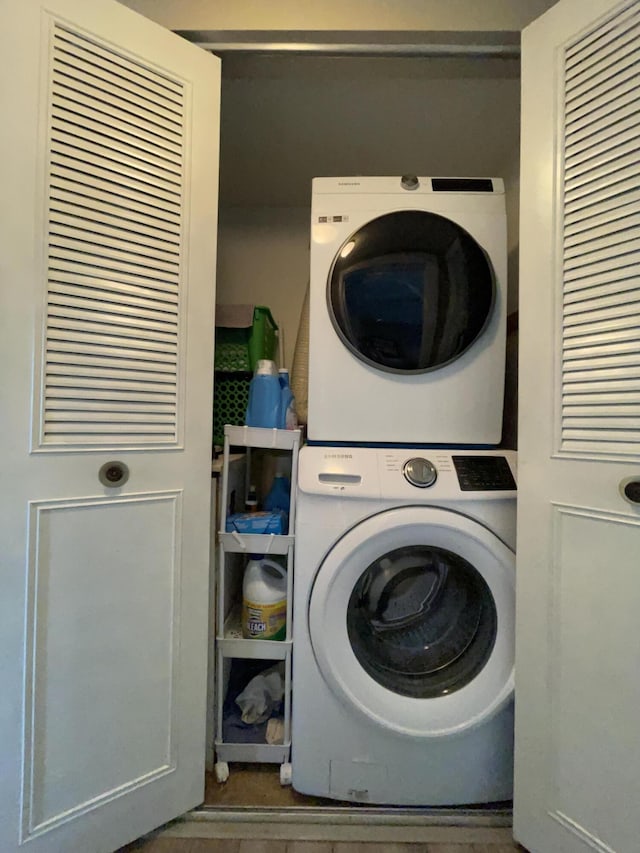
<point>113,474</point>
<point>631,490</point>
<point>420,472</point>
<point>409,182</point>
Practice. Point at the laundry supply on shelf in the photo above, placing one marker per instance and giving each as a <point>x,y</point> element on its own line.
<point>262,695</point>
<point>275,730</point>
<point>264,599</point>
<point>274,521</point>
<point>265,397</point>
<point>288,414</point>
<point>251,502</point>
<point>279,496</point>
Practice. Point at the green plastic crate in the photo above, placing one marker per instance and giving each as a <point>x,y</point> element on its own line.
<point>230,398</point>
<point>240,349</point>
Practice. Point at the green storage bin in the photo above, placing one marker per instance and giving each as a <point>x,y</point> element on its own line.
<point>239,349</point>
<point>230,398</point>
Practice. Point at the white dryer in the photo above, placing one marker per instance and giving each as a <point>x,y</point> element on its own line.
<point>404,625</point>
<point>407,310</point>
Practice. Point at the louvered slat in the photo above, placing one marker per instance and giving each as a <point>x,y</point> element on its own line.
<point>605,398</point>
<point>99,218</point>
<point>600,379</point>
<point>603,170</point>
<point>85,77</point>
<point>596,160</point>
<point>601,236</point>
<point>102,322</point>
<point>626,361</point>
<point>97,155</point>
<point>120,67</point>
<point>603,41</point>
<point>92,342</point>
<point>71,242</point>
<point>581,298</point>
<point>601,261</point>
<point>63,263</point>
<point>112,349</point>
<point>128,150</point>
<point>590,440</point>
<point>142,189</point>
<point>66,222</point>
<point>132,397</point>
<point>601,340</point>
<point>607,134</point>
<point>614,203</point>
<point>88,195</point>
<point>581,384</point>
<point>74,287</point>
<point>618,110</point>
<point>621,328</point>
<point>75,116</point>
<point>599,87</point>
<point>621,275</point>
<point>105,376</point>
<point>90,377</point>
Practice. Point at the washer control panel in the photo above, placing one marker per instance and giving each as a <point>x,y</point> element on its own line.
<point>420,472</point>
<point>484,473</point>
<point>410,474</point>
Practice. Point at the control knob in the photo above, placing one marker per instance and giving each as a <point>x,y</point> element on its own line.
<point>420,472</point>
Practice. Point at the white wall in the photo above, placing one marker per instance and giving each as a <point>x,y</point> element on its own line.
<point>263,259</point>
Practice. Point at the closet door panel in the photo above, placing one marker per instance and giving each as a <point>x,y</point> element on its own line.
<point>110,163</point>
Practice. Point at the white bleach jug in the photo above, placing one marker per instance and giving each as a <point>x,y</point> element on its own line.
<point>264,600</point>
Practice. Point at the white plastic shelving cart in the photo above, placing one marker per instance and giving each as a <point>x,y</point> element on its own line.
<point>230,644</point>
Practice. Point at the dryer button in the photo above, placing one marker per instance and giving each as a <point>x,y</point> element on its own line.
<point>409,182</point>
<point>420,472</point>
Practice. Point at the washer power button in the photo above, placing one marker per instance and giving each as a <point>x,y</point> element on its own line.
<point>420,472</point>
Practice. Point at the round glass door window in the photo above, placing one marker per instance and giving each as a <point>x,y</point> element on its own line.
<point>410,292</point>
<point>422,621</point>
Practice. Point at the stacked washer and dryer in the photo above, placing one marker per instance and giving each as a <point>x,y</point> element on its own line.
<point>404,591</point>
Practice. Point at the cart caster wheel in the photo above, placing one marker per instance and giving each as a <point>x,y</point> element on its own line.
<point>285,774</point>
<point>222,771</point>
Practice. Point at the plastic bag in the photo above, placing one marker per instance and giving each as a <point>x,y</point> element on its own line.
<point>262,695</point>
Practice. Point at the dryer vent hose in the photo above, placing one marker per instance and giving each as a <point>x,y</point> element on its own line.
<point>300,366</point>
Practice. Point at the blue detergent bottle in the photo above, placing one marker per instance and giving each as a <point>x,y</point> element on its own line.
<point>279,496</point>
<point>265,397</point>
<point>288,414</point>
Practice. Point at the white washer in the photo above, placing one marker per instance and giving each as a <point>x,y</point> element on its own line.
<point>403,630</point>
<point>407,310</point>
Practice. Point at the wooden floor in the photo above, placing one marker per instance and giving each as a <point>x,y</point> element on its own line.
<point>197,845</point>
<point>258,787</point>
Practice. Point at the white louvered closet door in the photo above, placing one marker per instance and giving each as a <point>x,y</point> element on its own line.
<point>109,158</point>
<point>578,555</point>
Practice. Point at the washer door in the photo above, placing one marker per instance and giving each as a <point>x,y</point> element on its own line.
<point>410,292</point>
<point>411,620</point>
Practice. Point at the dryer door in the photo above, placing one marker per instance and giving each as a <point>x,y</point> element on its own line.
<point>411,620</point>
<point>410,292</point>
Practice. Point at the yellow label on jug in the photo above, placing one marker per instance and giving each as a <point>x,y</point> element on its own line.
<point>264,621</point>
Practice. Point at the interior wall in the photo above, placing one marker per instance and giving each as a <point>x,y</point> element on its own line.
<point>263,259</point>
<point>288,119</point>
